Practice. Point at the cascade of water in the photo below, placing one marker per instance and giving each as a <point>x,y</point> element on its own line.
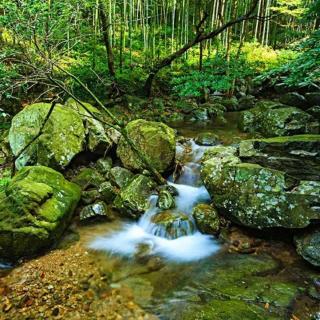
<point>171,234</point>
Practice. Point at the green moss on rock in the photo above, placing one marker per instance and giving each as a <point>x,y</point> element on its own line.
<point>154,139</point>
<point>256,196</point>
<point>273,119</point>
<point>206,218</point>
<point>35,208</point>
<point>133,200</point>
<point>62,137</point>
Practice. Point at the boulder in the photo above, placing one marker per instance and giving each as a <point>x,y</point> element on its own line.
<point>36,206</point>
<point>207,139</point>
<point>96,210</point>
<point>104,165</point>
<point>133,200</point>
<point>171,225</point>
<point>298,156</point>
<point>313,98</point>
<point>62,138</point>
<point>120,177</point>
<point>294,99</point>
<point>259,197</point>
<point>308,245</point>
<point>88,178</point>
<point>155,140</point>
<point>90,196</point>
<point>100,137</point>
<point>206,218</point>
<point>107,192</point>
<point>273,119</point>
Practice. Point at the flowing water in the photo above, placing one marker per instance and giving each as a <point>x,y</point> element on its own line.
<point>189,243</point>
<point>197,277</point>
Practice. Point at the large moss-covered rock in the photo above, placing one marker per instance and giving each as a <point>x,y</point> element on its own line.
<point>133,200</point>
<point>298,156</point>
<point>154,139</point>
<point>308,245</point>
<point>259,197</point>
<point>62,138</point>
<point>100,138</point>
<point>273,119</point>
<point>35,207</point>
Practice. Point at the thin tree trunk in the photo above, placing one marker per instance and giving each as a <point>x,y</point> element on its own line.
<point>106,39</point>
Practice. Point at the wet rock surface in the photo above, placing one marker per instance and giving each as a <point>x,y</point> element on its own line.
<point>298,156</point>
<point>257,196</point>
<point>206,218</point>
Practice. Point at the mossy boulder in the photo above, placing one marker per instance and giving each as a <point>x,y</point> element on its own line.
<point>206,218</point>
<point>88,178</point>
<point>298,156</point>
<point>273,119</point>
<point>107,192</point>
<point>154,139</point>
<point>207,139</point>
<point>100,137</point>
<point>259,197</point>
<point>35,207</point>
<point>104,165</point>
<point>133,199</point>
<point>308,245</point>
<point>62,138</point>
<point>120,177</point>
<point>171,225</point>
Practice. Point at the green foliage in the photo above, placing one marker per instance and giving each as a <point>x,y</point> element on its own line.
<point>218,74</point>
<point>303,70</point>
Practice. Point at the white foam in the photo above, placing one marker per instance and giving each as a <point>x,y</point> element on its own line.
<point>183,249</point>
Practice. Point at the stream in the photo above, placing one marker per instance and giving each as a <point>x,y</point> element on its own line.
<point>197,276</point>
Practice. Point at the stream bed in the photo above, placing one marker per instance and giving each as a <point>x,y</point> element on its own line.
<point>241,275</point>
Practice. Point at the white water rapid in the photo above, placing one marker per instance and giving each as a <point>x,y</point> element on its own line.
<point>193,246</point>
